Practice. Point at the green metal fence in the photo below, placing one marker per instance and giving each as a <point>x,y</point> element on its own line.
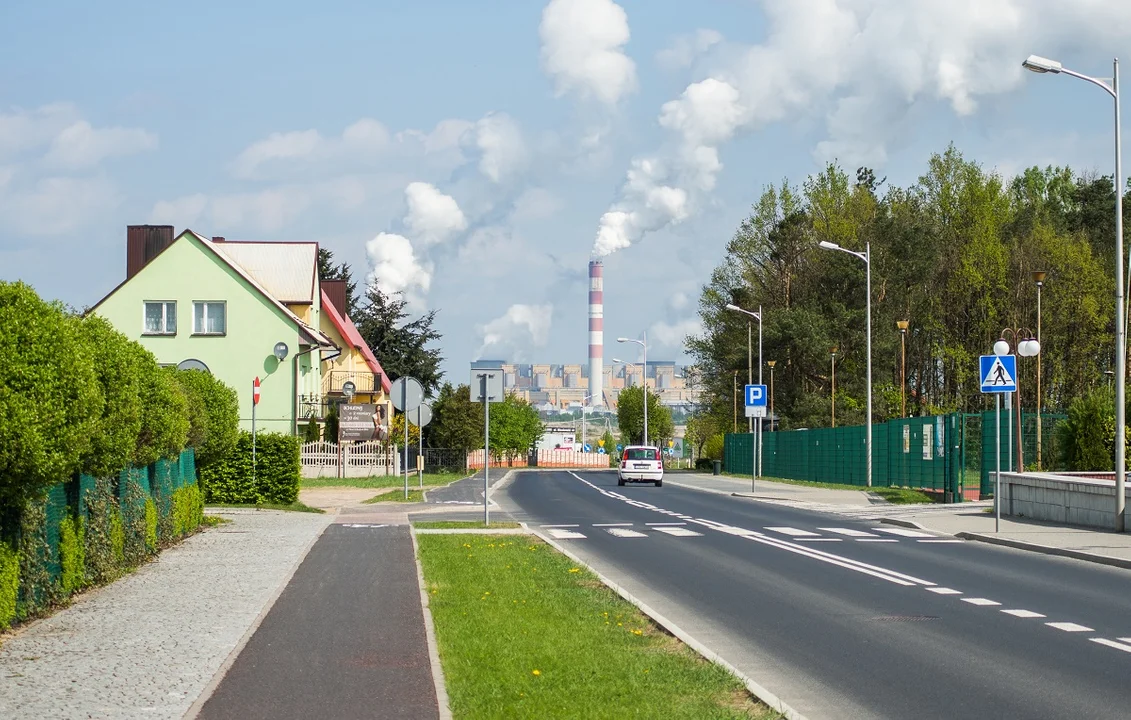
<point>949,454</point>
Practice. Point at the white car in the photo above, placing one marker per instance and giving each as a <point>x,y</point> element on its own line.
<point>641,463</point>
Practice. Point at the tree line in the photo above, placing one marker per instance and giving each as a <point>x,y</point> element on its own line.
<point>953,254</point>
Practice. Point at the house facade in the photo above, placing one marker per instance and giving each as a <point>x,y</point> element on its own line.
<point>231,308</point>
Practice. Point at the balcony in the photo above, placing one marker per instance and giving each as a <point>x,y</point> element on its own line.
<point>363,382</point>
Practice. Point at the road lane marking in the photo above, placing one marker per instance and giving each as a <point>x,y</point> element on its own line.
<point>849,532</point>
<point>820,539</point>
<point>560,526</point>
<point>980,601</point>
<point>1126,640</point>
<point>1023,613</point>
<point>563,534</point>
<point>1069,627</point>
<point>662,524</point>
<point>945,591</point>
<point>905,532</point>
<point>792,531</point>
<point>941,541</point>
<point>624,532</point>
<point>1113,644</point>
<point>612,524</point>
<point>876,540</point>
<point>678,531</point>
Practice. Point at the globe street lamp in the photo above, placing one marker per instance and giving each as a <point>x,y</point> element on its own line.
<point>644,344</point>
<point>771,363</point>
<point>832,390</point>
<point>866,256</point>
<point>902,325</point>
<point>1043,65</point>
<point>1039,278</point>
<point>1027,346</point>
<point>750,362</point>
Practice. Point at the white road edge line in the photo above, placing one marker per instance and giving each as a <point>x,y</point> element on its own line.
<point>761,692</point>
<point>1112,644</point>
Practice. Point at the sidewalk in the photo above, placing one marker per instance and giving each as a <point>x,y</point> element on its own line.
<point>766,490</point>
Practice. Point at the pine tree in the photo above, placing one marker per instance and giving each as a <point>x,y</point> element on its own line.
<point>404,347</point>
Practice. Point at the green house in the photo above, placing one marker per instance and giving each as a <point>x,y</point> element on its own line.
<point>232,308</point>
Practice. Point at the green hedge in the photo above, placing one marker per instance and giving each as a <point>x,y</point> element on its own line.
<point>276,475</point>
<point>9,584</point>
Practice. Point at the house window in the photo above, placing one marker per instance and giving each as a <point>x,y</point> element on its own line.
<point>209,318</point>
<point>160,318</point>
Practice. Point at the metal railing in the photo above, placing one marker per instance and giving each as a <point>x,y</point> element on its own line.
<point>363,381</point>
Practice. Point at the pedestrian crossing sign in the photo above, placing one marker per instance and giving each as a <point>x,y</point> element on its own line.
<point>998,373</point>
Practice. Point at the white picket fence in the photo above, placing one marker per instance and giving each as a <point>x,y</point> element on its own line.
<point>364,459</point>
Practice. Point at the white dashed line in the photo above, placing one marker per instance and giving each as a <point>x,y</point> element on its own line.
<point>941,541</point>
<point>849,532</point>
<point>662,524</point>
<point>1113,644</point>
<point>678,532</point>
<point>1069,627</point>
<point>980,601</point>
<point>624,532</point>
<point>612,524</point>
<point>819,539</point>
<point>792,531</point>
<point>945,591</point>
<point>905,532</point>
<point>876,540</point>
<point>1023,613</point>
<point>563,534</point>
<point>560,526</point>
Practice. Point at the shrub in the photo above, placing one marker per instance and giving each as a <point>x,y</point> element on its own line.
<point>9,584</point>
<point>133,503</point>
<point>218,415</point>
<point>330,432</point>
<point>705,464</point>
<point>164,418</point>
<point>104,534</point>
<point>311,432</point>
<point>35,555</point>
<point>50,400</point>
<point>118,364</point>
<point>188,510</point>
<point>72,554</point>
<point>276,474</point>
<point>713,449</point>
<point>194,407</point>
<point>150,525</point>
<point>1087,436</point>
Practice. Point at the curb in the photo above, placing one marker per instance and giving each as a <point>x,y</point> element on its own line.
<point>755,689</point>
<point>469,531</point>
<point>441,686</point>
<point>908,524</point>
<point>1047,549</point>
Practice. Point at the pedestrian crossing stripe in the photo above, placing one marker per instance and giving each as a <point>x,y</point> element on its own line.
<point>998,373</point>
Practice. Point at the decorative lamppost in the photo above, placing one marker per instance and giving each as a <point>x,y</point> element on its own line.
<point>1026,346</point>
<point>902,325</point>
<point>832,392</point>
<point>1039,278</point>
<point>771,363</point>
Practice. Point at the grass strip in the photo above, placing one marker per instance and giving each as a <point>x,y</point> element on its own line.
<point>383,481</point>
<point>522,632</point>
<point>414,496</point>
<point>296,506</point>
<point>903,496</point>
<point>900,495</point>
<point>460,525</point>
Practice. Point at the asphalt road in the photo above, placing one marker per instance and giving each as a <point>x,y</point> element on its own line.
<point>852,619</point>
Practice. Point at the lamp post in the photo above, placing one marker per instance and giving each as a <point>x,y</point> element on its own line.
<point>735,429</point>
<point>832,391</point>
<point>1039,278</point>
<point>1043,65</point>
<point>902,325</point>
<point>1025,346</point>
<point>749,363</point>
<point>866,256</point>
<point>644,344</point>
<point>771,363</point>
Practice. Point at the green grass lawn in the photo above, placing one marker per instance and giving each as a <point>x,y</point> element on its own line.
<point>414,496</point>
<point>296,506</point>
<point>383,481</point>
<point>892,495</point>
<point>459,524</point>
<point>524,633</point>
<point>903,496</point>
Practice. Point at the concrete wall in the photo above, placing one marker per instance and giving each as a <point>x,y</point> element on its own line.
<point>1060,499</point>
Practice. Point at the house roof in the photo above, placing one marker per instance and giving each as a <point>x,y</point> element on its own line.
<point>349,331</point>
<point>287,270</point>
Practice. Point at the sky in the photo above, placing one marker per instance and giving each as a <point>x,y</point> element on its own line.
<point>475,156</point>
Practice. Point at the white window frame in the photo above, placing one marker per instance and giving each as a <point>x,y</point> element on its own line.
<point>206,303</point>
<point>164,317</point>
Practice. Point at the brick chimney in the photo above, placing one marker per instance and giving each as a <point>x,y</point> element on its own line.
<point>336,291</point>
<point>143,243</point>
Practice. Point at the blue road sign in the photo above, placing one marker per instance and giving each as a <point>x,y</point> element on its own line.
<point>588,447</point>
<point>755,395</point>
<point>620,447</point>
<point>998,373</point>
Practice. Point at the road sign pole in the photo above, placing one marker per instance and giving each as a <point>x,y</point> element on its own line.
<point>997,475</point>
<point>486,452</point>
<point>254,404</point>
<point>404,415</point>
<point>1009,432</point>
<point>420,447</point>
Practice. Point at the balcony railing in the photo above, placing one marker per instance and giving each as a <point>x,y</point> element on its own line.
<point>363,382</point>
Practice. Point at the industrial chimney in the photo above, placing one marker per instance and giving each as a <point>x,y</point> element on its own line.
<point>596,333</point>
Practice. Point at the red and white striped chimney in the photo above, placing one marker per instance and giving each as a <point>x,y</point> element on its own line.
<point>596,333</point>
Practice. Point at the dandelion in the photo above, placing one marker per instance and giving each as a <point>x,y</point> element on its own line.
<point>573,570</point>
<point>637,632</point>
<point>536,673</point>
<point>620,624</point>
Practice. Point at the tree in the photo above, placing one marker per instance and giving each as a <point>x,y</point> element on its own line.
<point>700,428</point>
<point>165,422</point>
<point>327,270</point>
<point>396,431</point>
<point>118,363</point>
<point>220,409</point>
<point>630,418</point>
<point>457,422</point>
<point>403,346</point>
<point>515,427</point>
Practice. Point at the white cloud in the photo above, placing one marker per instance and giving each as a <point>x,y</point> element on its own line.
<point>673,335</point>
<point>686,49</point>
<point>182,212</point>
<point>364,137</point>
<point>81,146</point>
<point>864,64</point>
<point>535,204</point>
<point>446,135</point>
<point>433,217</point>
<point>269,210</point>
<point>582,49</point>
<point>522,326</point>
<point>23,131</point>
<point>395,267</point>
<point>498,139</point>
<point>678,301</point>
<point>57,205</point>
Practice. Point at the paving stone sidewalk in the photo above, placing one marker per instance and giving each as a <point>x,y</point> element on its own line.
<point>147,645</point>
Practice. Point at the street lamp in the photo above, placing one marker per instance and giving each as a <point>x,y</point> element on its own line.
<point>1043,65</point>
<point>866,256</point>
<point>735,429</point>
<point>644,344</point>
<point>1039,278</point>
<point>1027,346</point>
<point>749,363</point>
<point>832,391</point>
<point>771,363</point>
<point>902,325</point>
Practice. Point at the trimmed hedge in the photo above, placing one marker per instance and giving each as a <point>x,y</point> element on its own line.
<point>9,584</point>
<point>277,472</point>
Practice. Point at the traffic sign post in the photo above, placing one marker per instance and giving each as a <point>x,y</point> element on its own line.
<point>254,404</point>
<point>487,387</point>
<point>407,394</point>
<point>755,407</point>
<point>998,374</point>
<point>423,417</point>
